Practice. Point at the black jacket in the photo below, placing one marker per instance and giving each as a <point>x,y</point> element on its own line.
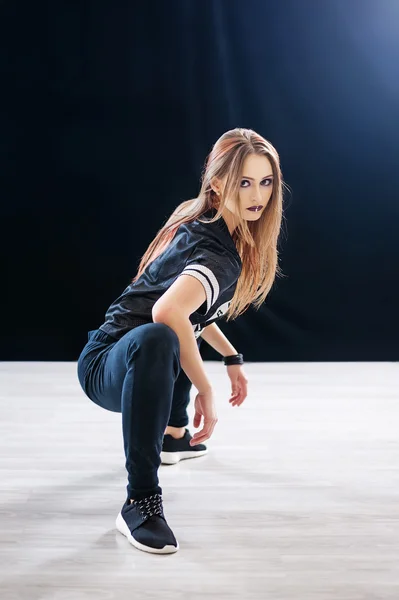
<point>203,250</point>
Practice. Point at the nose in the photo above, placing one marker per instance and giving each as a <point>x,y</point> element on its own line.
<point>258,197</point>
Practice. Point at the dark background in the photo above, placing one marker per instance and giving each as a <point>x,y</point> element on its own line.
<point>108,112</point>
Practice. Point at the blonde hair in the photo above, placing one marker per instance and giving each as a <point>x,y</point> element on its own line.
<point>256,241</point>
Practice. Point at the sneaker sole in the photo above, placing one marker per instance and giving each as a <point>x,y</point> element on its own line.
<point>121,526</point>
<point>171,458</point>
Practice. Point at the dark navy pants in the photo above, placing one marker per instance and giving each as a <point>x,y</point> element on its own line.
<point>140,376</point>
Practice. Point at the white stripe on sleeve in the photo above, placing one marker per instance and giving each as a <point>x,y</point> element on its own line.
<point>208,280</point>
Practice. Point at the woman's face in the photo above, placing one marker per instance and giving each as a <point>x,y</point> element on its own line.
<point>256,187</point>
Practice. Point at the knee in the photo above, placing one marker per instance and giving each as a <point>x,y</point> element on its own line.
<point>160,333</point>
<point>158,336</point>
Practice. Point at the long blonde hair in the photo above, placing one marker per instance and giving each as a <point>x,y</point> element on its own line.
<point>256,241</point>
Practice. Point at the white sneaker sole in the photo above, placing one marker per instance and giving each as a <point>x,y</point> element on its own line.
<point>171,458</point>
<point>124,529</point>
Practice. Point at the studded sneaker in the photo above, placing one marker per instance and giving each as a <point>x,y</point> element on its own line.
<point>143,523</point>
<point>174,450</point>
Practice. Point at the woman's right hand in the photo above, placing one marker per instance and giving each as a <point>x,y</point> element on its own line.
<point>205,409</point>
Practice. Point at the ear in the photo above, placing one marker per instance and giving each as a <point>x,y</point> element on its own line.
<point>215,185</point>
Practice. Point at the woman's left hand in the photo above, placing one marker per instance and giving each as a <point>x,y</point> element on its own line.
<point>238,384</point>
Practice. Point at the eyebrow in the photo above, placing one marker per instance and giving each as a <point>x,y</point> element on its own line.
<point>252,179</point>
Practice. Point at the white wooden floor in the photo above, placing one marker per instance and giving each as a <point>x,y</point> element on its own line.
<point>298,498</point>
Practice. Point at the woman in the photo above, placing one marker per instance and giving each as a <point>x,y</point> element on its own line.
<point>216,255</point>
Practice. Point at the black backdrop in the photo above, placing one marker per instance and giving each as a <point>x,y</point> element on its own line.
<point>109,109</point>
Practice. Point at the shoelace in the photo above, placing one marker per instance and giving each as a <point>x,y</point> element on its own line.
<point>150,506</point>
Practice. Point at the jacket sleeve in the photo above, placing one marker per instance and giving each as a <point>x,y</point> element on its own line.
<point>213,270</point>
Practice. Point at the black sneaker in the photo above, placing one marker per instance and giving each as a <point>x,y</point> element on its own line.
<point>143,523</point>
<point>174,451</point>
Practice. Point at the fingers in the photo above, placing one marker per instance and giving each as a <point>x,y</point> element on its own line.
<point>238,398</point>
<point>239,390</point>
<point>197,420</point>
<point>204,434</point>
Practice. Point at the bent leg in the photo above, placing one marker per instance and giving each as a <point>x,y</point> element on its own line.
<point>136,377</point>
